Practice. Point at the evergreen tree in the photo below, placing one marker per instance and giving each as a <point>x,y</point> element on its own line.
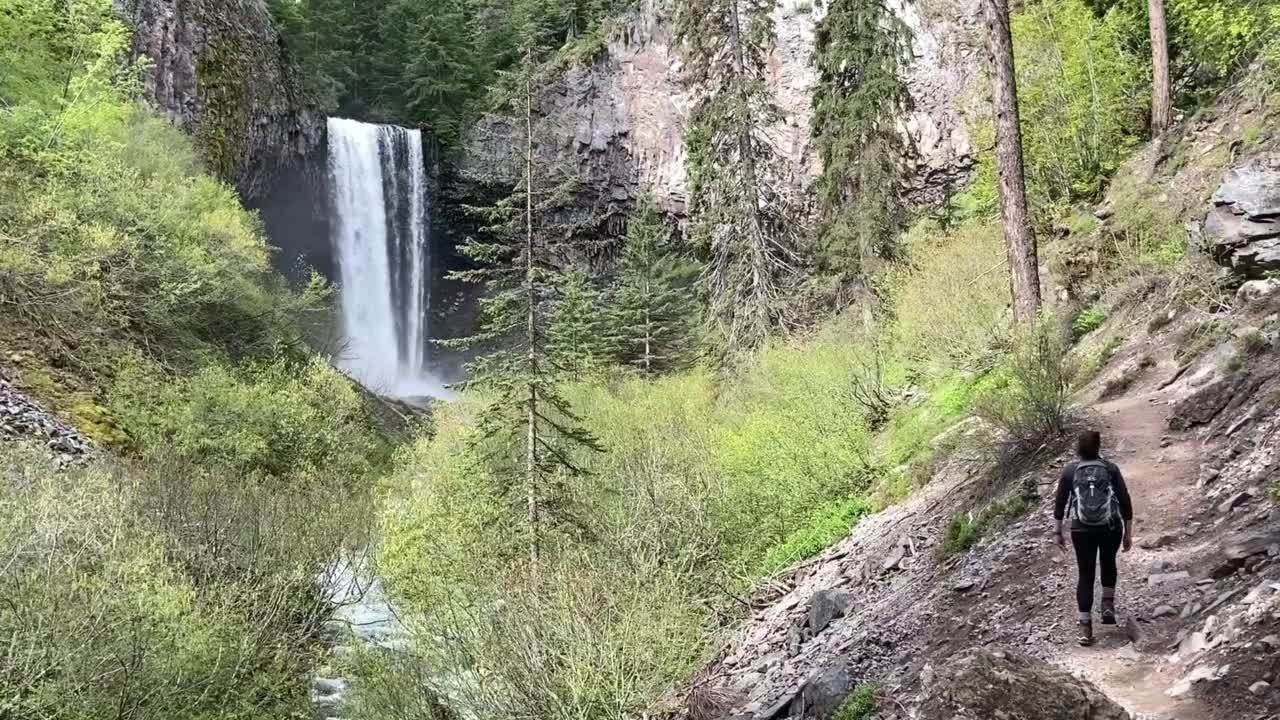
<point>859,49</point>
<point>741,194</point>
<point>653,314</point>
<point>575,336</point>
<point>528,411</point>
<point>1020,239</point>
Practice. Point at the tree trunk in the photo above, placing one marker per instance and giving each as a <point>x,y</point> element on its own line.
<point>531,449</point>
<point>1024,272</point>
<point>1161,106</point>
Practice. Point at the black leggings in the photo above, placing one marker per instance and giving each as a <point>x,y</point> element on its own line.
<point>1091,545</point>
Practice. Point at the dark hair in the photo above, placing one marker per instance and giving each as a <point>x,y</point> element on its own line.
<point>1089,444</point>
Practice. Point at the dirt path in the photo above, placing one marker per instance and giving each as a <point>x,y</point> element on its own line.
<point>1161,469</point>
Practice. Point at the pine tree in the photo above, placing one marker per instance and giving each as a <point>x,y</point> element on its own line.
<point>1020,240</point>
<point>653,313</point>
<point>528,411</point>
<point>741,195</point>
<point>1161,104</point>
<point>860,47</point>
<point>575,336</point>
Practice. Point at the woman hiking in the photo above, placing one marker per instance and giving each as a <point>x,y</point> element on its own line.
<point>1093,496</point>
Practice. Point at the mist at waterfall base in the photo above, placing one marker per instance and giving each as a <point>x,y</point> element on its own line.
<point>378,193</point>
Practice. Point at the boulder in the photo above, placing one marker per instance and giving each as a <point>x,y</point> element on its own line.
<point>982,684</point>
<point>1242,231</point>
<point>827,605</point>
<point>1239,548</point>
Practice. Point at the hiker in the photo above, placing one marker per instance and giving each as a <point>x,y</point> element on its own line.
<point>1092,494</point>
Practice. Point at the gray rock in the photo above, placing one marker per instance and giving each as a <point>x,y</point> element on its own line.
<point>1160,541</point>
<point>1239,548</point>
<point>1234,501</point>
<point>827,605</point>
<point>1202,673</point>
<point>1169,577</point>
<point>1260,688</point>
<point>982,684</point>
<point>186,42</point>
<point>822,693</point>
<point>1242,231</point>
<point>1164,611</point>
<point>1256,290</point>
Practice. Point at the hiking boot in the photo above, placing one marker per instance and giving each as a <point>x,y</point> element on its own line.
<point>1108,612</point>
<point>1086,633</point>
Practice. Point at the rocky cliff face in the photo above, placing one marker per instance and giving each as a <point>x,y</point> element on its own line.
<point>219,70</point>
<point>620,120</point>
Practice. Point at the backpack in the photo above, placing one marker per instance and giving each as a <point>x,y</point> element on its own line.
<point>1093,496</point>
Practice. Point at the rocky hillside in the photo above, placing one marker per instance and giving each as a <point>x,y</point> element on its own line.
<point>219,70</point>
<point>619,120</point>
<point>1189,405</point>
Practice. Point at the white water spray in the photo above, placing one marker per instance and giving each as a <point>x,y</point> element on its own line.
<point>378,189</point>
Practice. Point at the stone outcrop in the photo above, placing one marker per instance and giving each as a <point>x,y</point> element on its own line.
<point>619,121</point>
<point>219,70</point>
<point>985,684</point>
<point>1242,231</point>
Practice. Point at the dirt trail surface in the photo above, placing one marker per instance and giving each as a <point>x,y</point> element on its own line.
<point>1199,595</point>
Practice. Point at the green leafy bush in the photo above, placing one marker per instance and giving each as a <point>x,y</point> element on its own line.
<point>1089,318</point>
<point>1082,99</point>
<point>827,526</point>
<point>97,614</point>
<point>860,704</point>
<point>965,529</point>
<point>1033,404</point>
<point>950,306</point>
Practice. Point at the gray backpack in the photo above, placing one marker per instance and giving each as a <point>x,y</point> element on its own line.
<point>1093,496</point>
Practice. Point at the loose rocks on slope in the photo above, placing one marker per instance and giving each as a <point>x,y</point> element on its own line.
<point>984,684</point>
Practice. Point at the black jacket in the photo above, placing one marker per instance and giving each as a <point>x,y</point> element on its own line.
<point>1065,479</point>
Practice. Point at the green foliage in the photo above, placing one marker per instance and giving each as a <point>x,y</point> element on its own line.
<point>109,233</point>
<point>1145,232</point>
<point>1082,97</point>
<point>965,529</point>
<point>859,48</point>
<point>654,311</point>
<point>860,704</point>
<point>745,217</point>
<point>183,584</point>
<point>575,339</point>
<point>100,612</point>
<point>289,424</point>
<point>827,525</point>
<point>1215,38</point>
<point>1089,318</point>
<point>1033,404</point>
<point>426,63</point>
<point>951,303</point>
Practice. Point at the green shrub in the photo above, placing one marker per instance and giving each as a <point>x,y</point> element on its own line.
<point>1145,233</point>
<point>1034,404</point>
<point>950,306</point>
<point>827,526</point>
<point>964,530</point>
<point>1089,318</point>
<point>99,615</point>
<point>1218,37</point>
<point>1082,98</point>
<point>860,704</point>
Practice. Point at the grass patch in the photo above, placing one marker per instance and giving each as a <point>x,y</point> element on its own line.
<point>860,704</point>
<point>1089,318</point>
<point>1199,338</point>
<point>828,525</point>
<point>965,529</point>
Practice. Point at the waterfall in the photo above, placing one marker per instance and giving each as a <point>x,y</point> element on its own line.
<point>379,193</point>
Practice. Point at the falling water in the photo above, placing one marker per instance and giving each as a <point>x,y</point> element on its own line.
<point>378,186</point>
